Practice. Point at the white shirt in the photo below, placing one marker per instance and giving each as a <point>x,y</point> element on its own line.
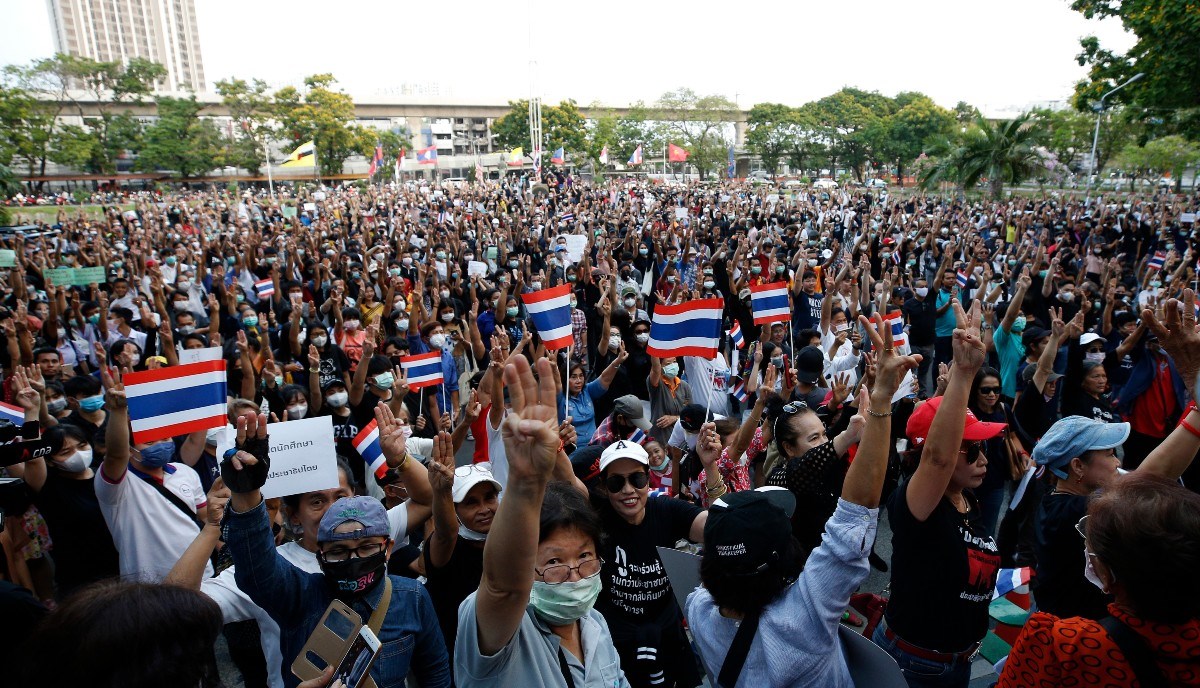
<point>150,533</point>
<point>496,455</point>
<point>709,381</point>
<point>682,439</point>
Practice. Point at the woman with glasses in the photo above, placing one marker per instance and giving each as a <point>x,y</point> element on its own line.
<point>944,563</point>
<point>1006,458</point>
<point>531,623</point>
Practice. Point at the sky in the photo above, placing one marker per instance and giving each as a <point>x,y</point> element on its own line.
<point>997,56</point>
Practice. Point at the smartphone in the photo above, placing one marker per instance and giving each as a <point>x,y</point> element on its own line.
<point>356,665</point>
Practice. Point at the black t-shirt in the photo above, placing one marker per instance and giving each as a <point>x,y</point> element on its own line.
<point>636,588</point>
<point>807,313</point>
<point>922,318</point>
<point>943,574</point>
<point>449,585</point>
<point>816,478</point>
<point>333,366</point>
<point>83,547</point>
<point>1081,403</point>
<point>1059,586</point>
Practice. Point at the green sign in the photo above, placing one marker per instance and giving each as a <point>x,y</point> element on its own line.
<point>8,258</point>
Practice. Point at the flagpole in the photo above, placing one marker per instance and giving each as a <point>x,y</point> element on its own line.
<point>316,163</point>
<point>270,181</point>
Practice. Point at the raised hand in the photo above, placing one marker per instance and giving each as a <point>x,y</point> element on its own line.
<point>246,470</point>
<point>474,407</point>
<point>314,357</point>
<point>441,464</point>
<point>34,374</point>
<point>392,435</point>
<point>218,497</point>
<point>708,445</point>
<point>969,350</point>
<point>27,398</point>
<point>890,367</point>
<point>530,431</point>
<point>399,381</point>
<point>114,396</point>
<point>1177,334</point>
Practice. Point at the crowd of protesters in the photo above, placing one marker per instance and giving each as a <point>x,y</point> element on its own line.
<point>1012,381</point>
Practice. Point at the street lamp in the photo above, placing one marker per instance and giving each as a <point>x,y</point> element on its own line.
<point>1096,135</point>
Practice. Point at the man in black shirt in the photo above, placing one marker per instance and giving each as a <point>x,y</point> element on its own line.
<point>921,313</point>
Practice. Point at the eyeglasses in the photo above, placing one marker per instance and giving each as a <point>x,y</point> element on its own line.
<point>561,573</point>
<point>973,451</point>
<point>989,390</point>
<point>616,483</point>
<point>360,552</point>
<point>795,407</point>
<point>467,470</point>
<point>1081,527</point>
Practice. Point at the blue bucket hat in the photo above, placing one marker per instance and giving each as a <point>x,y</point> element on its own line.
<point>1072,436</point>
<point>365,511</point>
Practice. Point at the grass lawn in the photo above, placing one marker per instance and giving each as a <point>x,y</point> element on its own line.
<point>49,213</point>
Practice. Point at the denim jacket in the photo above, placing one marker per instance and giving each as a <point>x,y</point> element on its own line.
<point>296,600</point>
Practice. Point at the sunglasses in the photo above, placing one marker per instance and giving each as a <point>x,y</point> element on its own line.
<point>989,390</point>
<point>973,451</point>
<point>795,407</point>
<point>616,483</point>
<point>1081,527</point>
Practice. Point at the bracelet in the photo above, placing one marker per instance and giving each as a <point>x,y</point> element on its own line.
<point>1189,427</point>
<point>403,462</point>
<point>712,496</point>
<point>715,490</point>
<point>873,414</point>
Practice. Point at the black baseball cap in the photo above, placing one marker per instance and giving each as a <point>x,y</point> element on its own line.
<point>748,530</point>
<point>810,365</point>
<point>691,417</point>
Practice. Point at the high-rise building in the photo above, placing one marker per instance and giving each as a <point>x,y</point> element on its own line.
<point>164,31</point>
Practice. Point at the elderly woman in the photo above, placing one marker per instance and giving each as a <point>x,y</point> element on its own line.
<point>1141,542</point>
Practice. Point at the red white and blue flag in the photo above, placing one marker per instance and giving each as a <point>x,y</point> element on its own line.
<point>13,414</point>
<point>638,436</point>
<point>550,310</point>
<point>427,156</point>
<point>422,370</point>
<point>895,320</point>
<point>265,288</point>
<point>962,279</point>
<point>735,335</point>
<point>686,329</point>
<point>377,161</point>
<point>366,442</point>
<point>739,390</point>
<point>559,157</point>
<point>770,303</point>
<point>1009,580</point>
<point>1158,260</point>
<point>636,158</point>
<point>177,400</point>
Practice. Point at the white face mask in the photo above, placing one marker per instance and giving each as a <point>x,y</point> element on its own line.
<point>319,341</point>
<point>1089,572</point>
<point>643,337</point>
<point>338,399</point>
<point>922,291</point>
<point>297,412</point>
<point>614,343</point>
<point>77,462</point>
<point>351,325</point>
<point>437,341</point>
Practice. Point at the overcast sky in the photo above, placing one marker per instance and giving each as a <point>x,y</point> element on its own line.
<point>996,56</point>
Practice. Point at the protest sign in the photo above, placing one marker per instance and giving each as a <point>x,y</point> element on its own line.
<point>477,268</point>
<point>86,276</point>
<point>303,457</point>
<point>1187,218</point>
<point>61,277</point>
<point>576,244</point>
<point>288,211</point>
<point>8,258</point>
<point>681,213</point>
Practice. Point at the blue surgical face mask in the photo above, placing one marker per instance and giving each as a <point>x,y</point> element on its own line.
<point>91,404</point>
<point>157,455</point>
<point>565,603</point>
<point>1018,324</point>
<point>385,380</point>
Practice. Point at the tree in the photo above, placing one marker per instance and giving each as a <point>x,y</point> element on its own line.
<point>902,136</point>
<point>1169,155</point>
<point>112,86</point>
<point>965,113</point>
<point>321,114</point>
<point>1000,152</point>
<point>701,124</point>
<point>847,118</point>
<point>180,140</point>
<point>769,132</point>
<point>251,109</point>
<point>391,141</point>
<point>562,125</point>
<point>1068,133</point>
<point>1167,51</point>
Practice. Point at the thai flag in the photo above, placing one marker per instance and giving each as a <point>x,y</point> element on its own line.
<point>366,442</point>
<point>550,310</point>
<point>176,400</point>
<point>739,391</point>
<point>377,161</point>
<point>1158,259</point>
<point>265,288</point>
<point>427,156</point>
<point>896,257</point>
<point>895,320</point>
<point>961,279</point>
<point>770,303</point>
<point>636,158</point>
<point>686,329</point>
<point>568,217</point>
<point>1012,579</point>
<point>422,370</point>
<point>638,436</point>
<point>735,335</point>
<point>13,414</point>
<point>559,157</point>
<point>731,167</point>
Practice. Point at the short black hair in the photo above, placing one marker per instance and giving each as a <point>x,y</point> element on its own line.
<point>565,507</point>
<point>81,385</point>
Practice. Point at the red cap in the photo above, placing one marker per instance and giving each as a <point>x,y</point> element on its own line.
<point>974,429</point>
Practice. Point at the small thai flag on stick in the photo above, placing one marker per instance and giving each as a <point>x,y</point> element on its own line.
<point>13,414</point>
<point>265,288</point>
<point>367,444</point>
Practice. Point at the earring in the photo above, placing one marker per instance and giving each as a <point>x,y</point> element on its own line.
<point>1079,478</point>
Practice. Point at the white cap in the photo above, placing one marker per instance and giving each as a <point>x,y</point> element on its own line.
<point>1090,337</point>
<point>467,477</point>
<point>621,449</point>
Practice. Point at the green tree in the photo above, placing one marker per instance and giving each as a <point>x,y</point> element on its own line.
<point>902,136</point>
<point>1169,155</point>
<point>113,86</point>
<point>769,132</point>
<point>1068,134</point>
<point>700,124</point>
<point>847,119</point>
<point>562,125</point>
<point>251,109</point>
<point>602,132</point>
<point>1167,51</point>
<point>1000,152</point>
<point>965,113</point>
<point>391,141</point>
<point>324,115</point>
<point>180,140</point>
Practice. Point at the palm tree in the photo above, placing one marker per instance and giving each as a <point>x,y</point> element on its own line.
<point>1005,152</point>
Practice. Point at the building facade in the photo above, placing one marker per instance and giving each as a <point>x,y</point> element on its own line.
<point>164,31</point>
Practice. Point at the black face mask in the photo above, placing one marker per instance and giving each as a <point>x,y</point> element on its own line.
<point>353,578</point>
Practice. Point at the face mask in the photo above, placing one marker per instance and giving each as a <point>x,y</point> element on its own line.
<point>1096,357</point>
<point>922,291</point>
<point>1089,572</point>
<point>472,535</point>
<point>1067,296</point>
<point>513,264</point>
<point>351,325</point>
<point>338,399</point>
<point>405,432</point>
<point>158,455</point>
<point>630,303</point>
<point>187,329</point>
<point>662,467</point>
<point>213,435</point>
<point>441,255</point>
<point>445,293</point>
<point>1156,284</point>
<point>671,279</point>
<point>170,260</point>
<point>574,303</point>
<point>512,312</point>
<point>780,268</point>
<point>535,285</point>
<point>643,251</point>
<point>614,343</point>
<point>76,463</point>
<point>384,380</point>
<point>757,269</point>
<point>437,341</point>
<point>565,603</point>
<point>252,321</point>
<point>572,277</point>
<point>671,370</point>
<point>1042,274</point>
<point>230,260</point>
<point>777,362</point>
<point>241,298</point>
<point>406,261</point>
<point>709,284</point>
<point>91,404</point>
<point>297,412</point>
<point>94,318</point>
<point>319,341</point>
<point>354,577</point>
<point>1019,323</point>
<point>56,405</point>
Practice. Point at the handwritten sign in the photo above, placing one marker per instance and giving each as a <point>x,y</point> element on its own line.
<point>86,276</point>
<point>576,244</point>
<point>303,457</point>
<point>61,277</point>
<point>477,268</point>
<point>1185,218</point>
<point>288,211</point>
<point>8,258</point>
